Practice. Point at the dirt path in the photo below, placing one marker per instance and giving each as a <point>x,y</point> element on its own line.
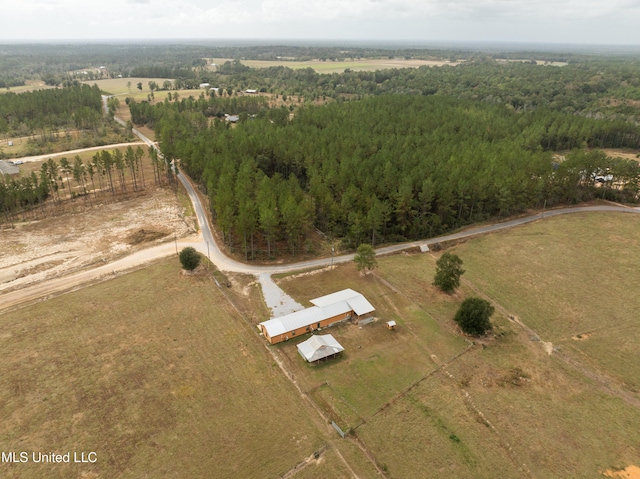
<point>27,159</point>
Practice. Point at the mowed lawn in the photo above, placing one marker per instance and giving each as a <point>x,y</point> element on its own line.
<point>503,408</point>
<point>159,376</point>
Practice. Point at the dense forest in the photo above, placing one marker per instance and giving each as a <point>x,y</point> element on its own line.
<point>392,167</point>
<point>78,106</point>
<point>360,156</point>
<point>56,62</point>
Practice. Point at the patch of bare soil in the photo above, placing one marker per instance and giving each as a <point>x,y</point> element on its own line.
<point>38,250</point>
<point>581,337</point>
<point>631,472</point>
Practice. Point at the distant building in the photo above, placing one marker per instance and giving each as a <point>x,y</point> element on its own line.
<point>9,168</point>
<point>232,118</point>
<point>251,92</point>
<point>204,85</point>
<point>327,310</point>
<point>319,347</point>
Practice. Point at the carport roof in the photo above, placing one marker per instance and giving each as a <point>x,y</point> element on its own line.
<point>318,347</point>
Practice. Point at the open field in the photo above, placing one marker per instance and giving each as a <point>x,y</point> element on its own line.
<point>30,86</point>
<point>503,408</point>
<point>575,281</point>
<point>622,153</point>
<point>81,372</point>
<point>367,64</point>
<point>181,387</point>
<point>120,86</point>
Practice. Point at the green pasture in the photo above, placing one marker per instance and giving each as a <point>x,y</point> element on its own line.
<point>503,408</point>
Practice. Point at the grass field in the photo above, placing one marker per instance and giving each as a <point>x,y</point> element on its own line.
<point>575,281</point>
<point>367,64</point>
<point>503,408</point>
<point>163,378</point>
<point>180,387</point>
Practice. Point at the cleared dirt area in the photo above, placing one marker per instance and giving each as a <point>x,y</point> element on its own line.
<point>38,250</point>
<point>622,153</point>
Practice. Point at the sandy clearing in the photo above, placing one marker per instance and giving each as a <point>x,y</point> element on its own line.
<point>631,472</point>
<point>53,247</point>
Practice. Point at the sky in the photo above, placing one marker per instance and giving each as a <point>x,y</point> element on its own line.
<point>591,22</point>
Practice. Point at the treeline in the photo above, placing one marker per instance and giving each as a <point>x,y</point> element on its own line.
<point>210,106</point>
<point>109,172</point>
<point>392,168</point>
<point>597,88</point>
<point>78,106</point>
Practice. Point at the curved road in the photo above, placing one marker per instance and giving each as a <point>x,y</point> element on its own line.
<point>206,245</point>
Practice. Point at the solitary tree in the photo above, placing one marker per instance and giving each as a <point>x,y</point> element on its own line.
<point>448,272</point>
<point>473,316</point>
<point>189,258</point>
<point>365,258</point>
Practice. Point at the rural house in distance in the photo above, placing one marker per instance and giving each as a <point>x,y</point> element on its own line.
<point>327,310</point>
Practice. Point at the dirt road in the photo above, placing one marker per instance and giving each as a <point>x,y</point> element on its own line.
<point>27,159</point>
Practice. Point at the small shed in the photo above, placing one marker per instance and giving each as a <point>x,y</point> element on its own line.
<point>391,325</point>
<point>319,347</point>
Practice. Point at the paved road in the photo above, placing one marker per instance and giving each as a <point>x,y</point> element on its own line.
<point>206,244</point>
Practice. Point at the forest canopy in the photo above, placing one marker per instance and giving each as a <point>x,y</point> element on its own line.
<point>391,168</point>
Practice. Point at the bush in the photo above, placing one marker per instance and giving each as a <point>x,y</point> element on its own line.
<point>473,316</point>
<point>189,258</point>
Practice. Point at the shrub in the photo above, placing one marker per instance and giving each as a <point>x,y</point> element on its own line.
<point>189,258</point>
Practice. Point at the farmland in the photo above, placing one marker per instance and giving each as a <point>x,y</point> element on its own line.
<point>320,66</point>
<point>503,407</point>
<point>159,373</point>
<point>155,388</point>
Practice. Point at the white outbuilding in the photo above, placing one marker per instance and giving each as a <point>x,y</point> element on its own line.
<point>318,347</point>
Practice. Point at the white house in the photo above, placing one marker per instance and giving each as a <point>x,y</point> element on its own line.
<point>326,310</point>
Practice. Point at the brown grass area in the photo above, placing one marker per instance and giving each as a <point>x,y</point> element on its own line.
<point>505,408</point>
<point>180,386</point>
<point>365,64</point>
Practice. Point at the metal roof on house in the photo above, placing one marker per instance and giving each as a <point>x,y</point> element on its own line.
<point>324,307</point>
<point>9,168</point>
<point>293,321</point>
<point>357,303</point>
<point>318,347</point>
